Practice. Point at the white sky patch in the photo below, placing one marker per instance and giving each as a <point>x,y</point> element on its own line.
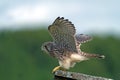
<point>27,13</point>
<point>97,16</point>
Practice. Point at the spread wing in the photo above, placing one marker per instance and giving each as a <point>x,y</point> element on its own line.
<point>63,32</point>
<point>81,38</point>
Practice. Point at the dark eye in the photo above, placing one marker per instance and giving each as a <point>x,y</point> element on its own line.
<point>46,47</point>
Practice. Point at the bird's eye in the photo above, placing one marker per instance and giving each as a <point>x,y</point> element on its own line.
<point>46,48</point>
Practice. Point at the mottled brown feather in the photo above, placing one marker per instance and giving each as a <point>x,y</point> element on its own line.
<point>63,32</point>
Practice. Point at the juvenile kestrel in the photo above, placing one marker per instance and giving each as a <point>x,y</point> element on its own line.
<point>66,45</point>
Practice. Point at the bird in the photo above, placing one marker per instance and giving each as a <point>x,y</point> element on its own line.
<point>66,44</point>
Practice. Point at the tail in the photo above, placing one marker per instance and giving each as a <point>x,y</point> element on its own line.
<point>93,55</point>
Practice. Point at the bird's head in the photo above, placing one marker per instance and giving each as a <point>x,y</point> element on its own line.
<point>47,47</point>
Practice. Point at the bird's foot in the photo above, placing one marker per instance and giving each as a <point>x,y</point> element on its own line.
<point>58,68</point>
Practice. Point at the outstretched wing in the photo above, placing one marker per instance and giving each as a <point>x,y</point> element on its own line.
<point>81,38</point>
<point>63,32</point>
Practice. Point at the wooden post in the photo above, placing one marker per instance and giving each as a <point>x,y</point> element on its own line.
<point>65,75</point>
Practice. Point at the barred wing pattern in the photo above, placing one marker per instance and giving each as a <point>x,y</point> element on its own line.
<point>63,32</point>
<point>81,38</point>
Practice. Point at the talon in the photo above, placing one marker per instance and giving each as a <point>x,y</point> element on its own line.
<point>55,69</point>
<point>58,68</point>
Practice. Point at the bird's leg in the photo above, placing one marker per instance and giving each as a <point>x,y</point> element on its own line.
<point>58,68</point>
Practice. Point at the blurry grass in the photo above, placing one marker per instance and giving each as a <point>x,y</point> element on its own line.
<point>21,57</point>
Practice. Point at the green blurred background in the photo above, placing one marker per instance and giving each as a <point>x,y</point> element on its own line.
<point>23,29</point>
<point>21,57</point>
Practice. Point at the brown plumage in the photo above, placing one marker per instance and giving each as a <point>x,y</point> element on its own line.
<point>66,45</point>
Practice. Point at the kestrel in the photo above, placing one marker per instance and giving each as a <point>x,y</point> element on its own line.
<point>66,45</point>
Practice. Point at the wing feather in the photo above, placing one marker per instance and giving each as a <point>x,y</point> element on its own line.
<point>81,38</point>
<point>63,32</point>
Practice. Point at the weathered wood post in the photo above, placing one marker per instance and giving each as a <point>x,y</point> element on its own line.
<point>65,75</point>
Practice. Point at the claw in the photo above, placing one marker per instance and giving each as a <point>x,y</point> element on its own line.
<point>55,69</point>
<point>58,68</point>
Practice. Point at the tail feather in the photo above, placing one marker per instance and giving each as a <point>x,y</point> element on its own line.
<point>93,55</point>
